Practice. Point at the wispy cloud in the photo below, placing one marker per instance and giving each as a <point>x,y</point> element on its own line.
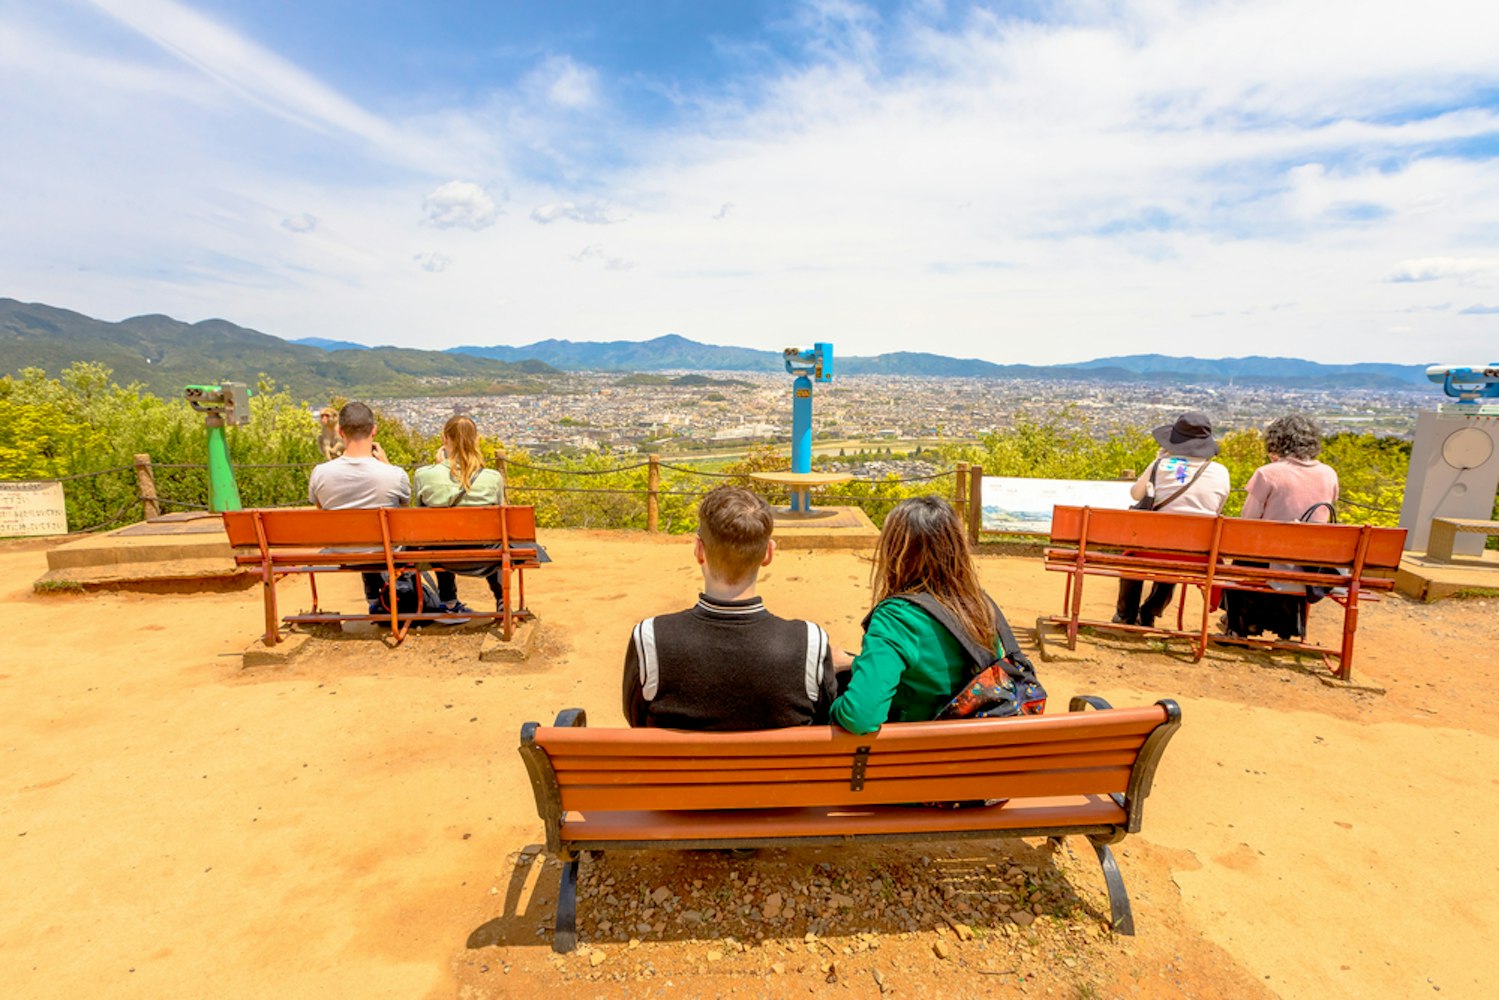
<point>598,255</point>
<point>250,71</point>
<point>1465,271</point>
<point>588,214</point>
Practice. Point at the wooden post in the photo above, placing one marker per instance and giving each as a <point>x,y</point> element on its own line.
<point>960,492</point>
<point>145,480</point>
<point>975,502</point>
<point>652,495</point>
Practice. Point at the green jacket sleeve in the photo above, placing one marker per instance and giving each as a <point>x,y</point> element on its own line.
<point>877,671</point>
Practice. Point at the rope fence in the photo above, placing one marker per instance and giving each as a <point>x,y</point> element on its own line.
<point>96,502</point>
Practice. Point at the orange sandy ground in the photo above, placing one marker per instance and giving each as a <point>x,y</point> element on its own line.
<point>176,826</point>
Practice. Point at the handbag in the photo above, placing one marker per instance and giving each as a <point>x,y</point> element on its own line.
<point>1313,592</point>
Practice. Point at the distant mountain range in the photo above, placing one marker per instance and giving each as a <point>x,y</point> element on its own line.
<point>673,352</point>
<point>166,354</point>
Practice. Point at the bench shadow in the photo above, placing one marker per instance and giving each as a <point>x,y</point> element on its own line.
<point>516,925</point>
<point>989,887</point>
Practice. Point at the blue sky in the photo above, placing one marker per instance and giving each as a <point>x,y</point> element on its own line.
<point>1023,182</point>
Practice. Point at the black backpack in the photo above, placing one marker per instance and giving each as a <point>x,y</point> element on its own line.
<point>415,596</point>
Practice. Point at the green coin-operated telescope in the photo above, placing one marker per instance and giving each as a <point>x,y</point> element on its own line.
<point>221,405</point>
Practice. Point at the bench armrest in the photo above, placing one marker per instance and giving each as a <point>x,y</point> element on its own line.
<point>544,779</point>
<point>1080,702</point>
<point>570,718</point>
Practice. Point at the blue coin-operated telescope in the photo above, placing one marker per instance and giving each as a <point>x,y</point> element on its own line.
<point>808,366</point>
<point>1467,384</point>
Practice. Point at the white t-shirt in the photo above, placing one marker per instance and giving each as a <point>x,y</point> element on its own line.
<point>1205,496</point>
<point>350,483</point>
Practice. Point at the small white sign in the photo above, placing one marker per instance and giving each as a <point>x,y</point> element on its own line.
<point>32,508</point>
<point>1023,506</point>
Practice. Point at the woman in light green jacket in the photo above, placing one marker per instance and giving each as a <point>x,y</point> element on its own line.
<point>460,480</point>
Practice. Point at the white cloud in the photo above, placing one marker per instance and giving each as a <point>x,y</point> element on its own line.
<point>610,262</point>
<point>589,214</point>
<point>301,223</point>
<point>1479,271</point>
<point>565,83</point>
<point>460,204</point>
<point>433,261</point>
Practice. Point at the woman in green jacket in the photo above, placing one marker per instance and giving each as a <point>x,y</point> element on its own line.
<point>459,480</point>
<point>911,665</point>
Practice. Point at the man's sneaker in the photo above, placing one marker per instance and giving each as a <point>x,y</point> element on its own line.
<point>455,607</point>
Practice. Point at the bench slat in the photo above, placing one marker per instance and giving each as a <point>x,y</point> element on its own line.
<point>875,771</point>
<point>961,734</point>
<point>567,763</point>
<point>1082,781</point>
<point>1047,812</point>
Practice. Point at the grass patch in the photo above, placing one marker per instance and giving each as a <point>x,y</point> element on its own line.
<point>57,587</point>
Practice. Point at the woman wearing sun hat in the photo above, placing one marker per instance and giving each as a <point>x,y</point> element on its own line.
<point>1183,479</point>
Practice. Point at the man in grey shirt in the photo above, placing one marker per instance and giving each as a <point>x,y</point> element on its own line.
<point>358,479</point>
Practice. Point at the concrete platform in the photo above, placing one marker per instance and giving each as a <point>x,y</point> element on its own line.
<point>825,528</point>
<point>187,547</point>
<point>1428,579</point>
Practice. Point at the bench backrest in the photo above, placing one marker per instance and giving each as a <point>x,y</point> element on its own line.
<point>1131,529</point>
<point>1237,538</point>
<point>1079,753</point>
<point>1322,544</point>
<point>406,526</point>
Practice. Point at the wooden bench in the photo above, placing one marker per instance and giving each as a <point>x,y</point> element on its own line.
<point>1083,773</point>
<point>306,540</point>
<point>1210,552</point>
<point>1444,532</point>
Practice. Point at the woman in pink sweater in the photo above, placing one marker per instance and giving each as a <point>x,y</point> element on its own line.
<point>1293,486</point>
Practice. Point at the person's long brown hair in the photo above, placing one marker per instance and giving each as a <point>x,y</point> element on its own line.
<point>461,435</point>
<point>923,550</point>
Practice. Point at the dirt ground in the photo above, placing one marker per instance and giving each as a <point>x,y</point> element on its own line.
<point>358,823</point>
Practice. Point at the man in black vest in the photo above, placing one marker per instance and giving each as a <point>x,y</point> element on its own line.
<point>727,663</point>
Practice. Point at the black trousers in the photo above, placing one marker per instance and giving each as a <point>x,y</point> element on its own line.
<point>447,585</point>
<point>1129,608</point>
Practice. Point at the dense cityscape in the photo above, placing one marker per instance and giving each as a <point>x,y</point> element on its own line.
<point>723,414</point>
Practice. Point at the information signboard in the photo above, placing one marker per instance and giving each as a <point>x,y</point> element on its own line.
<point>32,508</point>
<point>1023,506</point>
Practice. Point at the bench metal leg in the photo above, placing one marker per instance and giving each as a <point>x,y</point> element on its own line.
<point>565,937</point>
<point>1122,918</point>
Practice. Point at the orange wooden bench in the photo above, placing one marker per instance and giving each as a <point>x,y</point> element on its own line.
<point>1207,553</point>
<point>1083,773</point>
<point>283,541</point>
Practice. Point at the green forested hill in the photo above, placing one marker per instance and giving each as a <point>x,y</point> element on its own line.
<point>165,354</point>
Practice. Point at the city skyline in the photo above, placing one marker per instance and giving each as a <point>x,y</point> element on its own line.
<point>1033,183</point>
